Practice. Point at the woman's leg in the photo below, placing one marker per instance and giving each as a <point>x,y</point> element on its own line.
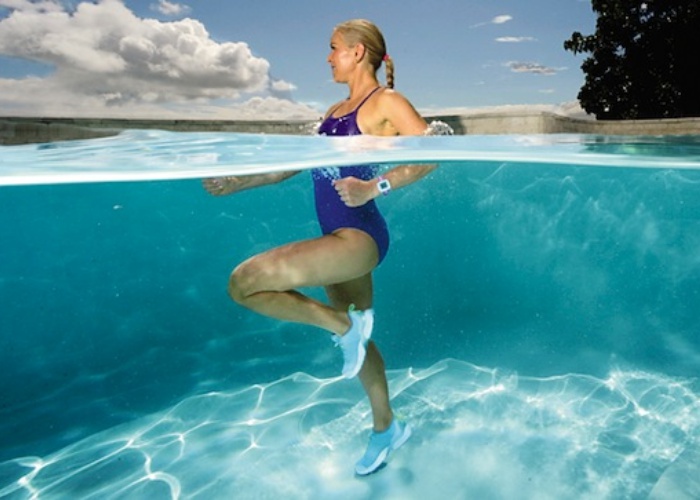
<point>342,262</point>
<point>373,378</point>
<point>266,283</point>
<point>373,374</point>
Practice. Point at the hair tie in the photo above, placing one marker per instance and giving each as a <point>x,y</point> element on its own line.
<point>386,57</point>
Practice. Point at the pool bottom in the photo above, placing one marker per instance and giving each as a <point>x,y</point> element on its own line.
<point>477,433</point>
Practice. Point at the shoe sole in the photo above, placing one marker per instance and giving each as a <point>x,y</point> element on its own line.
<point>365,334</point>
<point>369,325</point>
<point>407,432</point>
<point>361,354</point>
<point>381,458</point>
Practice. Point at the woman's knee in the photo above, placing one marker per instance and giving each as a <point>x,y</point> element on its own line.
<point>244,281</point>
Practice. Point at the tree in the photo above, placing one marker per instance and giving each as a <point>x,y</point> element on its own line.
<point>644,61</point>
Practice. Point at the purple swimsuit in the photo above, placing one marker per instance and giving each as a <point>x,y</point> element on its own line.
<point>332,213</point>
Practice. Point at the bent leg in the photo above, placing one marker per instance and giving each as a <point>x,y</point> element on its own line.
<point>373,374</point>
<point>266,283</point>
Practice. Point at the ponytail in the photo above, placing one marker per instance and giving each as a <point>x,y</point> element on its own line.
<point>389,70</point>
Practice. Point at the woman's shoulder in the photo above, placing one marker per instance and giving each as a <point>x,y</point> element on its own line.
<point>397,110</point>
<point>391,100</point>
<point>390,95</point>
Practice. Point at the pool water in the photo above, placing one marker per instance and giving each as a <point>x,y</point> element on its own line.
<point>537,311</point>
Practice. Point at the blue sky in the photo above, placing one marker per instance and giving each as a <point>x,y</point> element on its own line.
<point>257,59</point>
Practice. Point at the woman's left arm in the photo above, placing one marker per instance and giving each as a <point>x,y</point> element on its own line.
<point>405,120</point>
<point>399,117</point>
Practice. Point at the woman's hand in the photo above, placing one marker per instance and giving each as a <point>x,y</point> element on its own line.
<point>355,192</point>
<point>220,186</point>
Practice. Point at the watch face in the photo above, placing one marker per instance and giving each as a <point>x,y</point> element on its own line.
<point>384,185</point>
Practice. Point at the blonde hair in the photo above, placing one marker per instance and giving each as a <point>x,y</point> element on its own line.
<point>366,32</point>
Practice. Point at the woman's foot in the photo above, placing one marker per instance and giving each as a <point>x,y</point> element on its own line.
<point>380,445</point>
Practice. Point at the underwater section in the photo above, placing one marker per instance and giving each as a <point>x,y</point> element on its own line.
<point>537,311</point>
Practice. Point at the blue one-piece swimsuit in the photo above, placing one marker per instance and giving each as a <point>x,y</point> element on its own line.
<point>332,213</point>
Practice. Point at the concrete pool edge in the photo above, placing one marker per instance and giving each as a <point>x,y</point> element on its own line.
<point>24,130</point>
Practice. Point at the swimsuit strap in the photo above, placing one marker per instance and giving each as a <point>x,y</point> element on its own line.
<point>354,111</point>
<point>365,99</point>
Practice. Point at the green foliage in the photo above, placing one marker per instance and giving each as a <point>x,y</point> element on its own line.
<point>644,59</point>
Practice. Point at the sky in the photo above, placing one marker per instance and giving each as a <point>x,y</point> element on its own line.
<point>266,59</point>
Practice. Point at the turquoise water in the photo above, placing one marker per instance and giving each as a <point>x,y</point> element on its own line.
<point>538,312</point>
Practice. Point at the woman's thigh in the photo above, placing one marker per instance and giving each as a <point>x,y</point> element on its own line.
<point>335,258</point>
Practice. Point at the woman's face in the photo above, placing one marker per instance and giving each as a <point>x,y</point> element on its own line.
<point>341,58</point>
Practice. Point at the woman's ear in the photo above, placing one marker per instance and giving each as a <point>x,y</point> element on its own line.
<point>359,52</point>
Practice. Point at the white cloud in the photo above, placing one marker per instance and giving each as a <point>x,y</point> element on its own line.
<point>282,86</point>
<point>501,19</point>
<point>515,39</point>
<point>171,9</point>
<point>38,97</point>
<point>258,108</point>
<point>504,18</point>
<point>110,62</point>
<point>529,67</point>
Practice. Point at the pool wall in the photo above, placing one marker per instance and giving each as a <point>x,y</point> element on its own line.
<point>15,130</point>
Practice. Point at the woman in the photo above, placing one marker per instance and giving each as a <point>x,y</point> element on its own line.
<point>355,237</point>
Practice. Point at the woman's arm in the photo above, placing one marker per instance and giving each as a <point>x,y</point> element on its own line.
<point>393,115</point>
<point>220,186</point>
<point>403,175</point>
<point>356,192</point>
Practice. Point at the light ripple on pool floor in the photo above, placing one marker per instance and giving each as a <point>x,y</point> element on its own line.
<point>478,433</point>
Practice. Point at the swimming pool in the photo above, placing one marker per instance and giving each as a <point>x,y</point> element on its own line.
<point>538,312</point>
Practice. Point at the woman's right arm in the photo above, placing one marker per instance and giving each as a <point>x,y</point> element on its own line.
<point>220,186</point>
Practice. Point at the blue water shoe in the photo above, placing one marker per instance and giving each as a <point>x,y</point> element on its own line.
<point>354,342</point>
<point>380,445</point>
